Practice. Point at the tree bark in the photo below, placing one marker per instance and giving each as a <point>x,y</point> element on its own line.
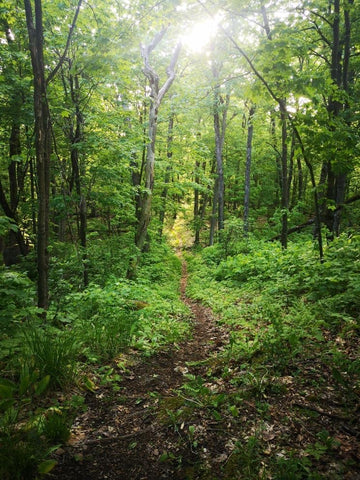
<point>157,94</point>
<point>76,136</point>
<point>169,155</point>
<point>34,23</point>
<point>196,204</point>
<point>284,174</point>
<point>221,106</point>
<point>250,130</point>
<point>214,208</point>
<point>42,146</point>
<point>339,69</point>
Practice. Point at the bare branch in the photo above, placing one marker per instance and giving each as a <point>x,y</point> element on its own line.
<point>145,53</point>
<point>322,36</point>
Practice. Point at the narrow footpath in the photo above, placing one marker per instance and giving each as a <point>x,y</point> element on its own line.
<point>129,432</point>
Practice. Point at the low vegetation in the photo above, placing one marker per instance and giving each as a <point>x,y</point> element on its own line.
<point>49,366</point>
<point>286,384</point>
<point>290,375</point>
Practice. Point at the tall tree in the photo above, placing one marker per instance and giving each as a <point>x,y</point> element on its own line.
<point>35,26</point>
<point>34,22</point>
<point>156,96</point>
<point>220,111</point>
<point>250,130</point>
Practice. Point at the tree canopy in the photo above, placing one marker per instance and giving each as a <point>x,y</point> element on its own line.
<point>127,128</point>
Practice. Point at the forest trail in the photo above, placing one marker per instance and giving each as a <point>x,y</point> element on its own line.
<point>126,432</point>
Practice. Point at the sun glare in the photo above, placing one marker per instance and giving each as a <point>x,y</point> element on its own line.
<point>197,38</point>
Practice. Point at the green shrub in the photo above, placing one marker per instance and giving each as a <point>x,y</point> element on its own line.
<point>24,452</point>
<point>17,296</point>
<point>105,318</point>
<point>56,426</point>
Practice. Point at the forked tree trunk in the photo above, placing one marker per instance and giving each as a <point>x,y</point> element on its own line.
<point>157,94</point>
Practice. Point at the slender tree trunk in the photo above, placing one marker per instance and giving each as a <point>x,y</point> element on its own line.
<point>277,161</point>
<point>15,150</point>
<point>196,204</point>
<point>32,194</point>
<point>214,209</point>
<point>42,146</point>
<point>300,179</point>
<point>34,22</point>
<point>221,107</point>
<point>164,193</point>
<point>284,175</point>
<point>248,170</point>
<point>291,169</point>
<point>76,136</point>
<point>340,58</point>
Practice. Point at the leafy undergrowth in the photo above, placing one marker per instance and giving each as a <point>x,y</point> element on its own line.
<point>266,387</point>
<point>49,367</point>
<point>287,386</point>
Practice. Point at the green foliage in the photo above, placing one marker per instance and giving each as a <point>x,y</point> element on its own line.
<point>26,435</point>
<point>289,295</point>
<point>56,426</point>
<point>147,313</point>
<point>20,455</point>
<point>7,225</point>
<point>245,460</point>
<point>16,300</point>
<point>293,467</point>
<point>49,352</point>
<point>105,321</point>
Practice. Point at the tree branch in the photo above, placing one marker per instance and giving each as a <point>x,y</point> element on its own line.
<point>245,55</point>
<point>63,56</point>
<point>170,73</point>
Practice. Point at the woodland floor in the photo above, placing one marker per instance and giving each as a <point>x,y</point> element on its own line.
<point>149,428</point>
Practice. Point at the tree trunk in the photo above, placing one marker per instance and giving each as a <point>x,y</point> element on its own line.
<point>214,208</point>
<point>197,205</point>
<point>156,96</point>
<point>42,146</point>
<point>221,107</point>
<point>340,59</point>
<point>169,154</point>
<point>248,170</point>
<point>284,174</point>
<point>76,136</point>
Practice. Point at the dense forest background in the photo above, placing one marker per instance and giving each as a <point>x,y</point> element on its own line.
<point>128,130</point>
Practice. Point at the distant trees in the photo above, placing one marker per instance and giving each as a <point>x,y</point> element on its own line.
<point>83,135</point>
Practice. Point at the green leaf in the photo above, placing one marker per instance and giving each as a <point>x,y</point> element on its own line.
<point>89,384</point>
<point>6,404</point>
<point>42,385</point>
<point>6,388</point>
<point>46,466</point>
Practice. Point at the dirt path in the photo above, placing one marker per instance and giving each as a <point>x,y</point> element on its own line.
<point>126,432</point>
